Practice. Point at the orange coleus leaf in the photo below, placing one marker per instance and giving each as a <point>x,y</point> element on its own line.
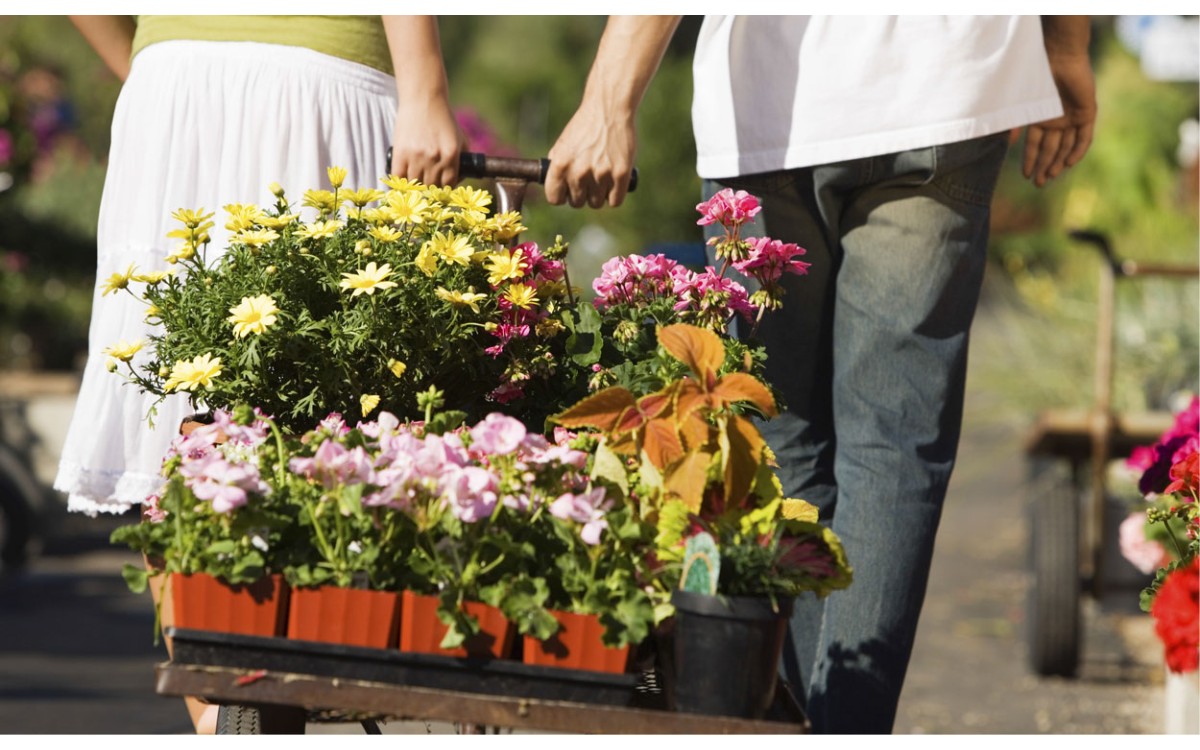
<point>698,348</point>
<point>695,431</point>
<point>738,386</point>
<point>602,410</point>
<point>741,462</point>
<point>688,478</point>
<point>661,443</point>
<point>691,396</point>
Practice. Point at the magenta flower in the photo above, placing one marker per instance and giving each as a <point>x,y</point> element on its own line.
<point>728,208</point>
<point>769,259</point>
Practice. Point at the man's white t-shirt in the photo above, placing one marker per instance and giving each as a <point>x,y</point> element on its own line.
<point>780,92</point>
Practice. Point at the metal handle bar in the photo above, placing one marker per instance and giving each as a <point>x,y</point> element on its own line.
<point>1127,268</point>
<point>473,164</point>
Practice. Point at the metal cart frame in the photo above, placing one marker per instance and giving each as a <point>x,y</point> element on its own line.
<point>1068,454</point>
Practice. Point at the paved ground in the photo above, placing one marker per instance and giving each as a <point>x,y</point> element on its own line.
<point>76,655</point>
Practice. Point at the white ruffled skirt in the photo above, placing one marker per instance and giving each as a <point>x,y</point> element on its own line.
<point>201,125</point>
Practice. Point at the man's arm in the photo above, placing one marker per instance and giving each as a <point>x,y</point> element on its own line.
<point>1054,145</point>
<point>111,37</point>
<point>426,140</point>
<point>592,161</point>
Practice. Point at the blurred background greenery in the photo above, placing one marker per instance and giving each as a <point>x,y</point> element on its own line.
<point>517,79</point>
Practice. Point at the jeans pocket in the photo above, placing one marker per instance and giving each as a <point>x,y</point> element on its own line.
<point>967,171</point>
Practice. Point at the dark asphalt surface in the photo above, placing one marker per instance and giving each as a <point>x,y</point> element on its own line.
<point>76,651</point>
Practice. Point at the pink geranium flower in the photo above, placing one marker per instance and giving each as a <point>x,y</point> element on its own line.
<point>497,435</point>
<point>728,208</point>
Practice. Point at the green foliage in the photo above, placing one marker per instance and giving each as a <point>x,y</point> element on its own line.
<point>1043,288</point>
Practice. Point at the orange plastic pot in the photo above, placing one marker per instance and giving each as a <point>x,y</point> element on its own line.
<point>353,617</point>
<point>422,632</point>
<point>578,644</point>
<point>201,602</point>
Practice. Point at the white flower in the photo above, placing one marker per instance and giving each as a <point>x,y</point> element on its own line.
<point>259,543</point>
<point>355,547</point>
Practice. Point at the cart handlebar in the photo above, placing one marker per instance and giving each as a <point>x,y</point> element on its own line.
<point>473,164</point>
<point>1100,241</point>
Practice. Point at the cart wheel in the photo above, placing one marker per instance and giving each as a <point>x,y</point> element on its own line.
<point>260,720</point>
<point>238,720</point>
<point>1053,612</point>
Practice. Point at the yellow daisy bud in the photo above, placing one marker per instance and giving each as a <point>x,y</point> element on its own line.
<point>397,367</point>
<point>337,175</point>
<point>276,189</point>
<point>368,402</point>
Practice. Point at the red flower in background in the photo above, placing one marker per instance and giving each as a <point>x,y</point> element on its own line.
<point>1176,613</point>
<point>1186,475</point>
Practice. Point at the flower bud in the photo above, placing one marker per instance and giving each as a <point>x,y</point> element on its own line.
<point>276,189</point>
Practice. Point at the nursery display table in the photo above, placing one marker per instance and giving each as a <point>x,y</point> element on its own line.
<point>347,683</point>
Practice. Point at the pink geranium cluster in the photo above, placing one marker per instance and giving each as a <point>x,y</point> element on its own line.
<point>219,464</point>
<point>467,472</point>
<point>763,259</point>
<point>636,280</point>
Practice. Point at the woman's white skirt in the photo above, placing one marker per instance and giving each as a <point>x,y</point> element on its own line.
<point>201,125</point>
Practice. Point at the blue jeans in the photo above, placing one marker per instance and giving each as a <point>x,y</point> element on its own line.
<point>869,354</point>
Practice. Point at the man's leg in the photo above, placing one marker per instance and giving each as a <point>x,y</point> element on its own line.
<point>913,242</point>
<point>799,365</point>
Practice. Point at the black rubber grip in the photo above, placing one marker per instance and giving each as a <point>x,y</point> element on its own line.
<point>482,166</point>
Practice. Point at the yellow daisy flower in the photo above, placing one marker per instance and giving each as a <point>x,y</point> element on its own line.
<point>189,375</point>
<point>368,280</point>
<point>152,277</point>
<point>406,207</point>
<point>277,222</point>
<point>368,402</point>
<point>118,281</point>
<point>152,311</point>
<point>124,350</point>
<point>438,193</point>
<point>521,295</point>
<point>461,299</point>
<point>470,199</point>
<point>403,184</point>
<point>319,229</point>
<point>255,237</point>
<point>242,216</point>
<point>252,315</point>
<point>191,218</point>
<point>337,175</point>
<point>503,266</point>
<point>362,196</point>
<point>397,367</point>
<point>426,260</point>
<point>454,248</point>
<point>385,233</point>
<point>322,200</point>
<point>503,227</point>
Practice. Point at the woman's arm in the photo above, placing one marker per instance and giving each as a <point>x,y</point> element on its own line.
<point>111,37</point>
<point>426,140</point>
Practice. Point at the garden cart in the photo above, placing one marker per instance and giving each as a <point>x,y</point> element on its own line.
<point>270,684</point>
<point>1068,454</point>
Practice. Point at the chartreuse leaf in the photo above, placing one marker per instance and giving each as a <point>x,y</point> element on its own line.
<point>610,467</point>
<point>672,522</point>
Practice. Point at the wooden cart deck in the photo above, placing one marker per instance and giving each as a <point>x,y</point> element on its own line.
<point>351,684</point>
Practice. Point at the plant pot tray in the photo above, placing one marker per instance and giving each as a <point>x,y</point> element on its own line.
<point>390,666</point>
<point>355,682</point>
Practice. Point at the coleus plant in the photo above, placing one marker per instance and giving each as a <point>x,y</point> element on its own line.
<point>690,457</point>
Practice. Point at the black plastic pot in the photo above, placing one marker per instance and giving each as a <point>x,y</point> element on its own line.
<point>722,653</point>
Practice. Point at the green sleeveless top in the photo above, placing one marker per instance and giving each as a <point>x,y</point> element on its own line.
<point>359,39</point>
